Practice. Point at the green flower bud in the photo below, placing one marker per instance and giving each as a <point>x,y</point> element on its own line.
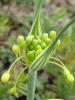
<point>43,45</point>
<point>38,52</point>
<point>69,77</point>
<point>31,47</point>
<point>15,49</point>
<point>52,34</point>
<point>23,45</point>
<point>57,44</point>
<point>20,40</point>
<point>48,41</point>
<point>5,77</point>
<point>44,36</point>
<point>38,47</point>
<point>31,55</point>
<point>29,39</point>
<point>13,90</point>
<point>39,41</point>
<point>35,42</point>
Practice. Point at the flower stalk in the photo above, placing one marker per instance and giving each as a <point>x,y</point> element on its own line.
<point>36,31</point>
<point>31,84</point>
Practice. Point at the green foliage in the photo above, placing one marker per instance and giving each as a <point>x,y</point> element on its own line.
<point>23,2</point>
<point>66,53</point>
<point>52,22</point>
<point>4,22</point>
<point>5,52</point>
<point>61,89</point>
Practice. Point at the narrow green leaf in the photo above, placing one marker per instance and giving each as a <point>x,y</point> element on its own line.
<point>38,5</point>
<point>36,27</point>
<point>48,50</point>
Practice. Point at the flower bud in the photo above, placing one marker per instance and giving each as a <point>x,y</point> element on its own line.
<point>35,42</point>
<point>43,45</point>
<point>23,45</point>
<point>52,34</point>
<point>5,77</point>
<point>39,41</point>
<point>13,90</point>
<point>15,49</point>
<point>44,36</point>
<point>48,41</point>
<point>20,40</point>
<point>31,47</point>
<point>69,77</point>
<point>38,47</point>
<point>38,52</point>
<point>57,44</point>
<point>29,39</point>
<point>30,55</point>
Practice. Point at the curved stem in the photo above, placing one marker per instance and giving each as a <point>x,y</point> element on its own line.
<point>55,64</point>
<point>15,62</point>
<point>20,75</point>
<point>22,62</point>
<point>58,61</point>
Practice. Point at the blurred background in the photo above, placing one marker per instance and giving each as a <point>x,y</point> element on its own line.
<point>16,17</point>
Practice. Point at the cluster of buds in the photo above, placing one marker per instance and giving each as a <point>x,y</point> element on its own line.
<point>34,46</point>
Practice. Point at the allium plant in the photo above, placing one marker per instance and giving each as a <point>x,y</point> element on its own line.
<point>37,50</point>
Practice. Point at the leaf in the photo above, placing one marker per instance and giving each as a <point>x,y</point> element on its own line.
<point>45,54</point>
<point>36,27</point>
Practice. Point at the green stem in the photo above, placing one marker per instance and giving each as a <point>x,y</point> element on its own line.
<point>38,5</point>
<point>56,64</point>
<point>31,84</point>
<point>15,62</point>
<point>20,75</point>
<point>36,31</point>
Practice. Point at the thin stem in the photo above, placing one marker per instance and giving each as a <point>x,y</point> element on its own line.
<point>38,5</point>
<point>31,84</point>
<point>22,62</point>
<point>58,61</point>
<point>55,64</point>
<point>20,75</point>
<point>15,62</point>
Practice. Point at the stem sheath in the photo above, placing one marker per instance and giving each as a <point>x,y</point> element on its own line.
<point>31,84</point>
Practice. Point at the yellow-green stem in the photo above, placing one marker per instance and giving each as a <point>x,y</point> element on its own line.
<point>15,62</point>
